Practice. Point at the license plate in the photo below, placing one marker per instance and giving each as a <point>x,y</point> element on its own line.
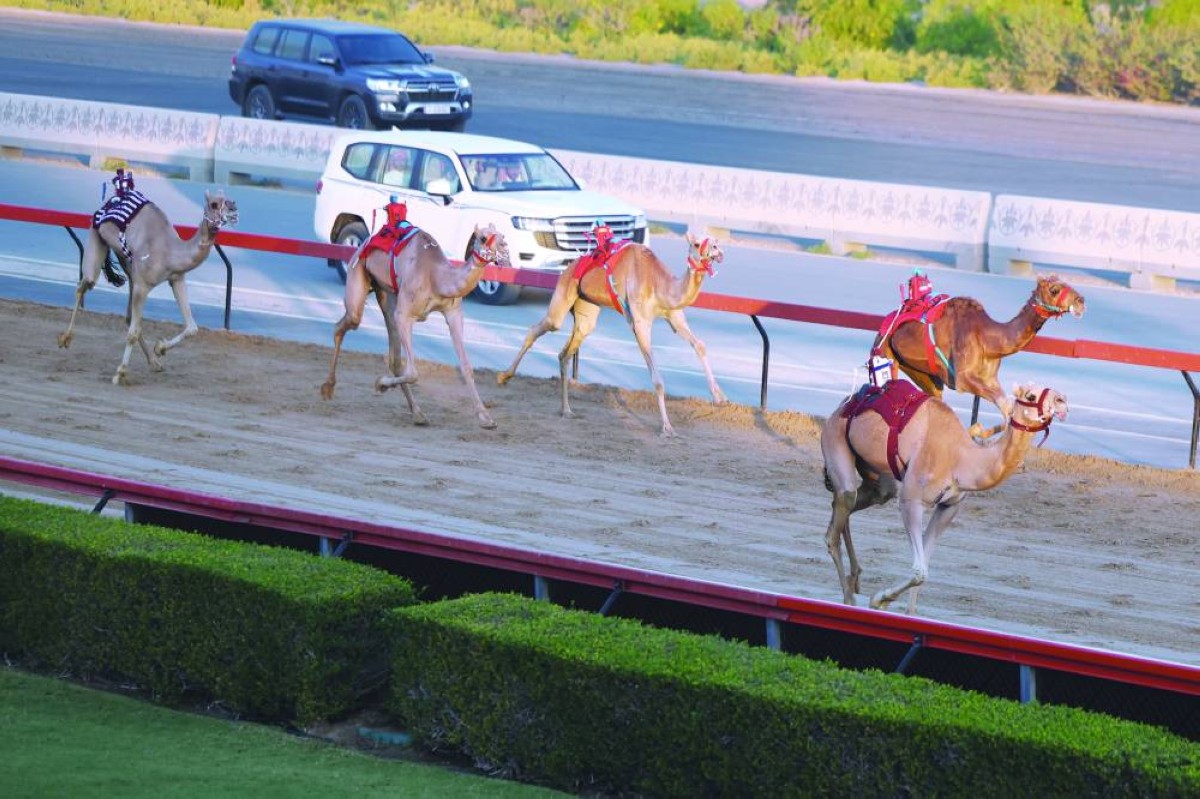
<point>438,108</point>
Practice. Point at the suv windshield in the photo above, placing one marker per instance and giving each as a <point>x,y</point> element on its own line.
<point>516,172</point>
<point>383,48</point>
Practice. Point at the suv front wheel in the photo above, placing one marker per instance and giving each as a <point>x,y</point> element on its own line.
<point>352,235</point>
<point>352,113</point>
<point>259,103</point>
<point>494,292</point>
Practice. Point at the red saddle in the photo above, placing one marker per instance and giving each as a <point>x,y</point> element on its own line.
<point>896,402</point>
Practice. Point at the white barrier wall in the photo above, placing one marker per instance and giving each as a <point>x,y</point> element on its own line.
<point>99,131</point>
<point>257,148</point>
<point>1155,247</point>
<point>844,213</point>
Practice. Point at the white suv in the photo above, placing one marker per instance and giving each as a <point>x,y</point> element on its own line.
<point>455,181</point>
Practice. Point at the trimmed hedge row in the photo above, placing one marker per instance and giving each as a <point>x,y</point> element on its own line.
<point>585,702</point>
<point>270,632</point>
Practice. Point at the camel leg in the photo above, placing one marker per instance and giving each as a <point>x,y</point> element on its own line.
<point>94,253</point>
<point>137,301</point>
<point>454,321</point>
<point>395,358</point>
<point>565,294</point>
<point>912,511</point>
<point>641,332</point>
<point>839,528</point>
<point>179,289</point>
<point>679,324</point>
<point>355,301</point>
<point>585,319</point>
<point>939,520</point>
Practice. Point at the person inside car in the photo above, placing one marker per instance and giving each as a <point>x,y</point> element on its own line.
<point>398,171</point>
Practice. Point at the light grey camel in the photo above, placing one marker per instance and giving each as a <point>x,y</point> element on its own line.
<point>637,279</point>
<point>938,462</point>
<point>424,281</point>
<point>158,255</point>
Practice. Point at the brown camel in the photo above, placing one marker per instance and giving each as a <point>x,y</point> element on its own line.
<point>647,290</point>
<point>424,281</point>
<point>967,344</point>
<point>929,460</point>
<point>150,254</point>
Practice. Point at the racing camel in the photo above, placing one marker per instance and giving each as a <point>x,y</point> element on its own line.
<point>953,342</point>
<point>139,235</point>
<point>636,284</point>
<point>417,281</point>
<point>881,443</point>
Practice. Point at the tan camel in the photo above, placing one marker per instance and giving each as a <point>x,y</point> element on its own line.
<point>424,281</point>
<point>930,462</point>
<point>150,254</point>
<point>962,349</point>
<point>648,291</point>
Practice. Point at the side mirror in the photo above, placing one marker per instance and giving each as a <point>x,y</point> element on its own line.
<point>428,57</point>
<point>440,187</point>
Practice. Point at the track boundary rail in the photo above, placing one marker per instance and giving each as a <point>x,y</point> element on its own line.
<point>1183,362</point>
<point>1024,652</point>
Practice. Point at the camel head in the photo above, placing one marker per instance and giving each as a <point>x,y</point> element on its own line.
<point>1053,297</point>
<point>219,210</point>
<point>488,246</point>
<point>1034,407</point>
<point>703,253</point>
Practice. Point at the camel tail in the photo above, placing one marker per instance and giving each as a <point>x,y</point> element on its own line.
<point>112,270</point>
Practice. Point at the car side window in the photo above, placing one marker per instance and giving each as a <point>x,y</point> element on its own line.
<point>292,45</point>
<point>437,167</point>
<point>357,160</point>
<point>321,47</point>
<point>396,167</point>
<point>264,42</point>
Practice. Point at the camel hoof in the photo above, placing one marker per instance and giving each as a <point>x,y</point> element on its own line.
<point>419,420</point>
<point>503,378</point>
<point>156,365</point>
<point>119,379</point>
<point>160,347</point>
<point>668,432</point>
<point>327,390</point>
<point>487,423</point>
<point>380,386</point>
<point>64,340</point>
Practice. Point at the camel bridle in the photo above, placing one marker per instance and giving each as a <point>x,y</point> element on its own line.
<point>1055,309</point>
<point>1044,416</point>
<point>707,253</point>
<point>485,251</point>
<point>224,214</point>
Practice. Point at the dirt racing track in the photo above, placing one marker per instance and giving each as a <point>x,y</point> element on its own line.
<point>1076,549</point>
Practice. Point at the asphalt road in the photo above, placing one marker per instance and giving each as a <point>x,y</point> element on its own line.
<point>1068,148</point>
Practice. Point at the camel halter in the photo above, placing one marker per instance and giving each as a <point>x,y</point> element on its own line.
<point>484,250</point>
<point>1049,310</point>
<point>224,216</point>
<point>1044,419</point>
<point>709,253</point>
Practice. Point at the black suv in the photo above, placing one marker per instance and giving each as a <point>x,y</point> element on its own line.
<point>358,76</point>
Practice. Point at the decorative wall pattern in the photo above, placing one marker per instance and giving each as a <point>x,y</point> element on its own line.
<point>265,142</point>
<point>52,120</point>
<point>1119,233</point>
<point>784,202</point>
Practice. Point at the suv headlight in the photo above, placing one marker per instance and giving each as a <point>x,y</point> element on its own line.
<point>386,85</point>
<point>640,221</point>
<point>533,224</point>
<point>462,82</point>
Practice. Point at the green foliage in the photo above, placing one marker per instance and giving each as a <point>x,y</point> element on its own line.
<point>1123,48</point>
<point>598,704</point>
<point>270,632</point>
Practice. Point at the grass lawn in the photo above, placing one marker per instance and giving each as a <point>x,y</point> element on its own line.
<point>58,739</point>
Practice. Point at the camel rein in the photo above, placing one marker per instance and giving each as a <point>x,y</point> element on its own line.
<point>1048,311</point>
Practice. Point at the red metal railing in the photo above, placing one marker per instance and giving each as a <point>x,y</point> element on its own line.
<point>1183,362</point>
<point>1006,648</point>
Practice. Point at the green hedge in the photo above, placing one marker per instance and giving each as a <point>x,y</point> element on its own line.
<point>583,702</point>
<point>269,632</point>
